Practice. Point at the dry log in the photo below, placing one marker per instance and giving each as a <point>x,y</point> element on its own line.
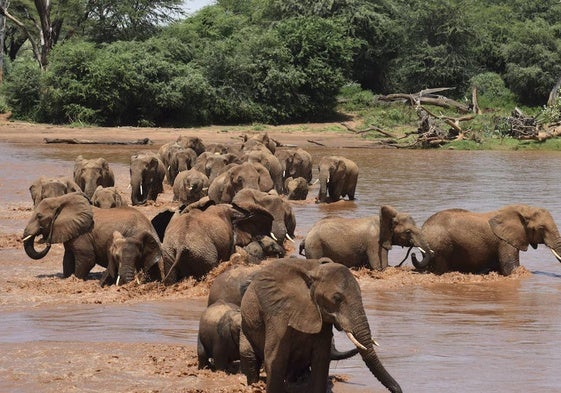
<point>371,128</point>
<point>74,141</point>
<point>424,98</point>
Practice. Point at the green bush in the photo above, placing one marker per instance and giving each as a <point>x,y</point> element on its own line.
<point>21,89</point>
<point>492,92</point>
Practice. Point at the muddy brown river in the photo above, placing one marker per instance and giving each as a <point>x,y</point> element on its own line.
<point>461,335</point>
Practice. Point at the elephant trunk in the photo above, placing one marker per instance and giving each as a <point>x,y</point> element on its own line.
<point>424,263</point>
<point>364,342</point>
<point>556,249</point>
<point>126,274</point>
<point>138,193</point>
<point>323,180</point>
<point>29,247</point>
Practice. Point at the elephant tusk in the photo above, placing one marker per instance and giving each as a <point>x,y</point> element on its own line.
<point>422,250</point>
<point>141,189</point>
<point>289,238</point>
<point>205,189</point>
<point>138,280</point>
<point>27,238</point>
<point>118,279</point>
<point>355,341</point>
<point>556,254</point>
<point>375,342</point>
<point>315,182</point>
<point>274,237</point>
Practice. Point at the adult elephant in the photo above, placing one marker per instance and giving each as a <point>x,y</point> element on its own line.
<point>288,313</point>
<point>147,176</point>
<point>190,186</point>
<point>197,241</point>
<point>237,177</point>
<point>284,220</point>
<point>263,156</point>
<point>363,241</point>
<point>85,231</point>
<point>258,140</point>
<point>212,164</point>
<point>89,174</point>
<point>47,187</point>
<point>472,242</point>
<point>107,198</point>
<point>219,336</point>
<point>337,178</point>
<point>296,162</point>
<point>192,142</point>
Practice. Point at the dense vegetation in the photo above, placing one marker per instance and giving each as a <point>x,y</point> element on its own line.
<point>272,61</point>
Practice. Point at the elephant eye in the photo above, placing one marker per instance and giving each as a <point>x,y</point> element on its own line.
<point>337,298</point>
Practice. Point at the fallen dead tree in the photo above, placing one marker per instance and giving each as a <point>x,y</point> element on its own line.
<point>428,97</point>
<point>523,127</point>
<point>74,141</point>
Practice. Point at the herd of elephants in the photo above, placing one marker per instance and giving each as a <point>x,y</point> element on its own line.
<point>274,312</point>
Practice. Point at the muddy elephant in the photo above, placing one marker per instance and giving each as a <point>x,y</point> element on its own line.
<point>239,176</point>
<point>337,178</point>
<point>363,241</point>
<point>192,142</point>
<point>295,163</point>
<point>259,140</point>
<point>197,241</point>
<point>46,187</point>
<point>89,174</point>
<point>190,186</point>
<point>231,284</point>
<point>147,177</point>
<point>176,158</point>
<point>133,255</point>
<point>107,197</point>
<point>262,248</point>
<point>472,242</point>
<point>288,313</point>
<point>85,231</point>
<point>296,189</point>
<point>268,160</point>
<point>284,222</point>
<point>219,336</point>
<point>212,164</point>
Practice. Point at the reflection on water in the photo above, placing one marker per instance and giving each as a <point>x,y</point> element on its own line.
<point>495,336</point>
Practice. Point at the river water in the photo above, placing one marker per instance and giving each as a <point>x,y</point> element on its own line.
<point>493,336</point>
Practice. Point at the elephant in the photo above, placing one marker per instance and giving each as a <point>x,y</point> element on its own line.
<point>176,158</point>
<point>212,164</point>
<point>147,176</point>
<point>264,247</point>
<point>192,142</point>
<point>85,231</point>
<point>364,241</point>
<point>195,242</point>
<point>230,285</point>
<point>107,197</point>
<point>337,177</point>
<point>471,242</point>
<point>284,223</point>
<point>263,156</point>
<point>237,177</point>
<point>89,174</point>
<point>220,148</point>
<point>190,186</point>
<point>295,163</point>
<point>296,189</point>
<point>288,313</point>
<point>250,143</point>
<point>45,187</point>
<point>219,336</point>
<point>130,255</point>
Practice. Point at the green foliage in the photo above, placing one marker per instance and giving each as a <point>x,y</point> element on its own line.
<point>353,98</point>
<point>21,89</point>
<point>491,91</point>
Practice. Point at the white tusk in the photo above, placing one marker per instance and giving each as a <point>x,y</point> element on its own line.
<point>138,280</point>
<point>315,182</point>
<point>118,279</point>
<point>205,189</point>
<point>555,253</point>
<point>420,249</point>
<point>191,188</point>
<point>289,238</point>
<point>27,238</point>
<point>141,189</point>
<point>274,237</point>
<point>355,341</point>
<point>375,342</point>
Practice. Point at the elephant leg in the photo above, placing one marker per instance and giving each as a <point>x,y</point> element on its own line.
<point>220,356</point>
<point>509,259</point>
<point>250,365</point>
<point>68,262</point>
<point>320,366</point>
<point>275,364</point>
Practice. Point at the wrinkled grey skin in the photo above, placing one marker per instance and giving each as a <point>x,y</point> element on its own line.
<point>284,223</point>
<point>230,285</point>
<point>472,242</point>
<point>364,241</point>
<point>288,313</point>
<point>337,178</point>
<point>181,160</point>
<point>107,198</point>
<point>192,142</point>
<point>296,189</point>
<point>212,164</point>
<point>147,176</point>
<point>85,231</point>
<point>219,336</point>
<point>127,256</point>
<point>238,177</point>
<point>45,187</point>
<point>295,163</point>
<point>190,186</point>
<point>89,174</point>
<point>263,156</point>
<point>197,241</point>
<point>262,248</point>
<point>249,143</point>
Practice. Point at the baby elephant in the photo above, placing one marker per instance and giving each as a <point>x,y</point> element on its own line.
<point>219,337</point>
<point>107,197</point>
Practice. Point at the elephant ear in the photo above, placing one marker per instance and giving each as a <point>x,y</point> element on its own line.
<point>387,215</point>
<point>250,220</point>
<point>151,256</point>
<point>509,225</point>
<point>284,294</point>
<point>35,190</point>
<point>72,216</point>
<point>71,186</point>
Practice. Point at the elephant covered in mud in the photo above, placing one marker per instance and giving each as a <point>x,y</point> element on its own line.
<point>237,177</point>
<point>89,174</point>
<point>363,241</point>
<point>107,197</point>
<point>296,189</point>
<point>470,242</point>
<point>190,186</point>
<point>147,176</point>
<point>288,313</point>
<point>46,187</point>
<point>85,231</point>
<point>337,178</point>
<point>295,163</point>
<point>219,336</point>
